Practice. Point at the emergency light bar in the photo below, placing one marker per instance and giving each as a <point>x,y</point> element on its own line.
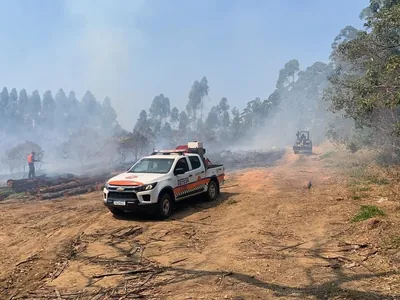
<point>168,152</point>
<point>191,147</point>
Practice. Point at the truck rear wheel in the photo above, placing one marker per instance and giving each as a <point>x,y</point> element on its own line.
<point>165,204</point>
<point>212,190</point>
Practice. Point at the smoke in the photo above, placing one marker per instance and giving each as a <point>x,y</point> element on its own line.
<point>100,50</point>
<point>108,44</point>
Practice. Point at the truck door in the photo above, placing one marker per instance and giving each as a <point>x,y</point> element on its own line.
<point>182,180</point>
<point>197,175</point>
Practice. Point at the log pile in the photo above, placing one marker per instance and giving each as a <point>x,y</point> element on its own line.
<point>55,187</point>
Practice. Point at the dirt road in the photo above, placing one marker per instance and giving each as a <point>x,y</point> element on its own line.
<point>268,237</point>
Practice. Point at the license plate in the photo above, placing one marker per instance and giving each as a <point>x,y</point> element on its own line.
<point>120,203</point>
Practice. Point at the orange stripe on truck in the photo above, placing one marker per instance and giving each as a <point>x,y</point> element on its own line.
<point>193,185</point>
<point>125,182</point>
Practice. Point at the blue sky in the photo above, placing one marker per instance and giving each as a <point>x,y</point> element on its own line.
<point>133,50</point>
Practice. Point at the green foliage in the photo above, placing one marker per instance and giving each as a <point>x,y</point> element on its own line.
<point>134,143</point>
<point>365,86</point>
<point>366,212</point>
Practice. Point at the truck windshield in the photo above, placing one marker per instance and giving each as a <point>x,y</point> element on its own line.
<point>152,165</point>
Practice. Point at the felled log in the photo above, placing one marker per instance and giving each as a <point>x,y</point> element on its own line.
<point>60,187</point>
<point>73,184</point>
<point>66,193</point>
<point>31,185</point>
<point>79,190</point>
<point>50,195</point>
<point>19,182</point>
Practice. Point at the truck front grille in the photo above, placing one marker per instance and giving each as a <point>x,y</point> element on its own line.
<point>121,195</point>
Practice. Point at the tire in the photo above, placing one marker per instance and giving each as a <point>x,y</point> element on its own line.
<point>212,190</point>
<point>116,211</point>
<point>165,204</point>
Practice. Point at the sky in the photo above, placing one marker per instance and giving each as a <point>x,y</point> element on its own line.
<point>133,50</point>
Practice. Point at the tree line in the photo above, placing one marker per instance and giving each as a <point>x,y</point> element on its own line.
<point>353,99</point>
<point>296,99</point>
<point>55,125</point>
<point>23,113</point>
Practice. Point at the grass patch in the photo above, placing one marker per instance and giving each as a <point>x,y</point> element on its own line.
<point>377,180</point>
<point>358,189</point>
<point>367,212</point>
<point>327,154</point>
<point>362,174</point>
<point>358,173</point>
<point>363,188</point>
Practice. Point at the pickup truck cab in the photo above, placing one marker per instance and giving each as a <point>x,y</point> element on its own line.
<point>156,182</point>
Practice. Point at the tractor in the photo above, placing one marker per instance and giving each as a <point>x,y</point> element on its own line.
<point>303,143</point>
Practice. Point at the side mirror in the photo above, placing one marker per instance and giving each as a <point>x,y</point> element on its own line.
<point>204,150</point>
<point>179,171</point>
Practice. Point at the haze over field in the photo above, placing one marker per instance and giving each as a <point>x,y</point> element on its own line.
<point>108,81</point>
<point>134,50</point>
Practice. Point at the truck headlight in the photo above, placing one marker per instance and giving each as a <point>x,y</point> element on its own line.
<point>106,185</point>
<point>147,187</point>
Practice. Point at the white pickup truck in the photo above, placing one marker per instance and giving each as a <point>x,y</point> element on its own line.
<point>157,181</point>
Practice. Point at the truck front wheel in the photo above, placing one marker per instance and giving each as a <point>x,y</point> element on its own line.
<point>212,190</point>
<point>164,206</point>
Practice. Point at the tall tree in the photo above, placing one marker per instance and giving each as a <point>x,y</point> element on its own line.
<point>236,124</point>
<point>13,103</point>
<point>48,109</point>
<point>61,101</point>
<point>204,92</point>
<point>174,116</point>
<point>196,94</point>
<point>109,115</point>
<point>4,98</point>
<point>23,102</point>
<point>92,110</point>
<point>183,122</point>
<point>160,107</point>
<point>34,107</point>
<point>73,113</point>
<point>288,74</point>
<point>223,104</point>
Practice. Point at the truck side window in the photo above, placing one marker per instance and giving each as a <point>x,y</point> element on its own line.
<point>182,163</point>
<point>195,161</point>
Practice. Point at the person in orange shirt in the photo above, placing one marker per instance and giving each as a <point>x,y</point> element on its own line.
<point>31,164</point>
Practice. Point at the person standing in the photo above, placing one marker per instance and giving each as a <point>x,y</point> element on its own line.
<point>31,164</point>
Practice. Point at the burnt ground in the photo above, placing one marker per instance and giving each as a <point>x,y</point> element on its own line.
<point>267,237</point>
<point>236,160</point>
